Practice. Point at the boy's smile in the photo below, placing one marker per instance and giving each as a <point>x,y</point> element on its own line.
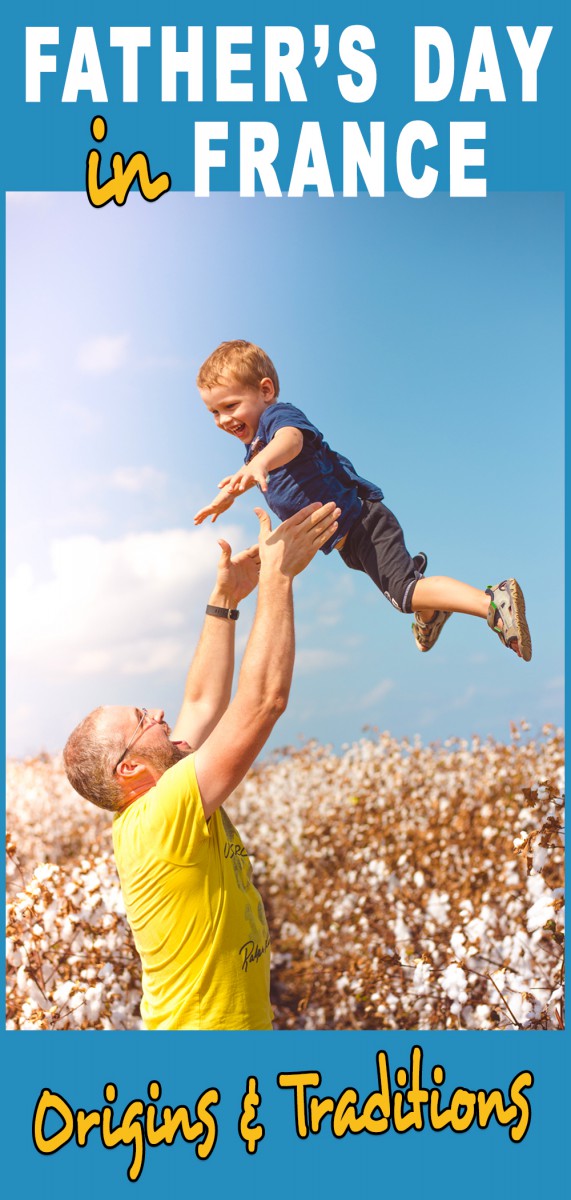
<point>237,407</point>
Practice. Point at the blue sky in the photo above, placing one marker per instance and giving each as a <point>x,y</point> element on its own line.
<point>424,338</point>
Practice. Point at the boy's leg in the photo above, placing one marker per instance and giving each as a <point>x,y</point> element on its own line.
<point>375,545</point>
<point>438,592</point>
<point>503,606</point>
<point>435,599</point>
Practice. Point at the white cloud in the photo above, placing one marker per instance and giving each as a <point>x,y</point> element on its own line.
<point>335,597</point>
<point>26,361</point>
<point>349,702</point>
<point>308,661</point>
<point>123,607</point>
<point>137,479</point>
<point>84,418</point>
<point>555,685</point>
<point>429,715</point>
<point>102,355</point>
<point>376,694</point>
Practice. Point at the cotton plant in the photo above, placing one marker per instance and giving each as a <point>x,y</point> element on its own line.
<point>406,887</point>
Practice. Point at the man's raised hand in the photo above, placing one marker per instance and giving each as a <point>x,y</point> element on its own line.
<point>291,547</point>
<point>238,574</point>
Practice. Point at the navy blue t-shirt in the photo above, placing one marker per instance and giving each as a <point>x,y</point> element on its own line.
<point>316,473</point>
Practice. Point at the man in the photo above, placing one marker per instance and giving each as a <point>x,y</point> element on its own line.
<point>198,921</point>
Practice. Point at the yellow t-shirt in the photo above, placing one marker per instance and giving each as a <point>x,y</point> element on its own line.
<point>197,919</point>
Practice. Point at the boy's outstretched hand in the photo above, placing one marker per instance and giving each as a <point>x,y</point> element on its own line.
<point>252,473</point>
<point>221,502</point>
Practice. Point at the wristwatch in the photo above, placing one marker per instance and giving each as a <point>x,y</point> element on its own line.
<point>229,614</point>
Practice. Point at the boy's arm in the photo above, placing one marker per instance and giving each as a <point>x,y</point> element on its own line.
<point>284,446</point>
<point>225,499</point>
<point>221,502</point>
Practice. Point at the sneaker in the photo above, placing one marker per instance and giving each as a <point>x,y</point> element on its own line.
<point>507,606</point>
<point>426,633</point>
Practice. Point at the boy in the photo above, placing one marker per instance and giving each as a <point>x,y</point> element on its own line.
<point>287,457</point>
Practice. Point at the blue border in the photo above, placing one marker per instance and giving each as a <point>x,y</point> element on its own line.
<point>44,148</point>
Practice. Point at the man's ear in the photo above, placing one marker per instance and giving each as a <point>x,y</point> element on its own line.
<point>268,390</point>
<point>129,767</point>
<point>135,776</point>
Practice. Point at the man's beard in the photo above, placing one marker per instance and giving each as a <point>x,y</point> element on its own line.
<point>165,756</point>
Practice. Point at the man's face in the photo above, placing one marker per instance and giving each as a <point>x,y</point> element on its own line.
<point>237,408</point>
<point>147,735</point>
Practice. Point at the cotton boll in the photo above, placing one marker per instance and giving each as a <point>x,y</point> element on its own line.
<point>453,983</point>
<point>420,865</point>
<point>458,944</point>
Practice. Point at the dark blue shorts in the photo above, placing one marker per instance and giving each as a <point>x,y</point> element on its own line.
<point>375,544</point>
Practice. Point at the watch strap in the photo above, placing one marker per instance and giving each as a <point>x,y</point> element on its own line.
<point>228,614</point>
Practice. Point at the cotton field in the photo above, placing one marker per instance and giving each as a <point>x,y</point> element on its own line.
<point>406,887</point>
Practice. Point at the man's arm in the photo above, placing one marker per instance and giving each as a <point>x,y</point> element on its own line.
<point>209,680</point>
<point>265,677</point>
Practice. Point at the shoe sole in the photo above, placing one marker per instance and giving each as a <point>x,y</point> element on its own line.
<point>425,649</point>
<point>523,634</point>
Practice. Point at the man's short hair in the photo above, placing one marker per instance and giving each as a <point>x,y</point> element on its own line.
<point>89,758</point>
<point>240,362</point>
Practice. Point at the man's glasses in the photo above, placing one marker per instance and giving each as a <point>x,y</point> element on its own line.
<point>130,743</point>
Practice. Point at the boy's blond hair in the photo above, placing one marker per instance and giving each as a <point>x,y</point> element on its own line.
<point>238,361</point>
